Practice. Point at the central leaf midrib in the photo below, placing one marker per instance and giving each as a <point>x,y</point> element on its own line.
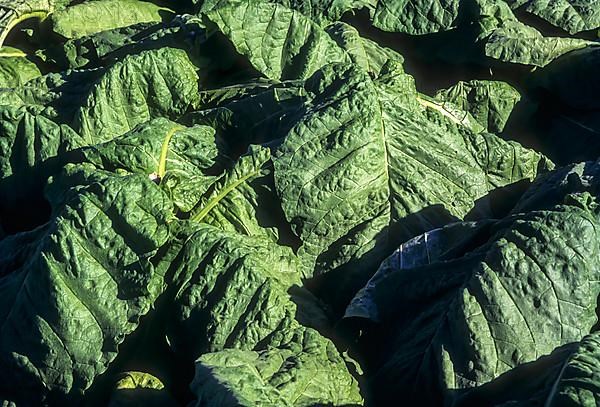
<point>164,151</point>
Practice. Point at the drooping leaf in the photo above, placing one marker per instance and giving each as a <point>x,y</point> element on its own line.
<point>579,379</point>
<point>184,160</point>
<point>566,377</point>
<point>365,166</point>
<point>239,297</point>
<point>233,292</point>
<point>94,48</point>
<point>490,102</point>
<point>154,83</point>
<point>279,42</point>
<point>32,148</point>
<point>365,53</point>
<point>467,313</point>
<point>101,15</point>
<point>84,284</point>
<point>572,16</point>
<point>302,369</point>
<point>416,17</point>
<point>507,39</point>
<point>233,201</point>
<point>322,12</point>
<point>255,113</point>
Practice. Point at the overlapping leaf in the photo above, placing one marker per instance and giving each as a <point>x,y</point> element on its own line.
<point>154,83</point>
<point>280,42</point>
<point>360,167</point>
<point>83,285</point>
<point>468,312</point>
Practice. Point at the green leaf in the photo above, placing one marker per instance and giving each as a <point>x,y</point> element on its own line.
<point>32,148</point>
<point>416,17</point>
<point>322,12</point>
<point>303,370</point>
<point>516,290</point>
<point>15,68</point>
<point>572,16</point>
<point>363,52</point>
<point>279,42</point>
<point>101,15</point>
<point>84,283</point>
<point>253,113</point>
<point>365,167</point>
<point>579,379</point>
<point>95,48</point>
<point>181,159</point>
<point>490,102</point>
<point>154,83</point>
<point>566,377</point>
<point>232,291</point>
<point>507,39</point>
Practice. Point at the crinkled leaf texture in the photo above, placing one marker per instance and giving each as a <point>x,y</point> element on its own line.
<point>322,12</point>
<point>364,167</point>
<point>300,368</point>
<point>73,289</point>
<point>472,301</point>
<point>507,39</point>
<point>416,16</point>
<point>566,377</point>
<point>178,157</point>
<point>364,52</point>
<point>153,83</point>
<point>572,16</point>
<point>30,146</point>
<point>490,102</point>
<point>279,42</point>
<point>240,300</point>
<point>101,15</point>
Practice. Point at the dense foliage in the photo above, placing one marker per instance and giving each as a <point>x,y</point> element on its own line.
<point>299,203</point>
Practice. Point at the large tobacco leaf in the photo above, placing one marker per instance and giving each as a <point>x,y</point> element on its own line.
<point>490,26</point>
<point>280,42</point>
<point>101,15</point>
<point>95,49</point>
<point>299,368</point>
<point>82,283</point>
<point>364,52</point>
<point>233,291</point>
<point>467,310</point>
<point>240,299</point>
<point>183,160</point>
<point>359,167</point>
<point>416,17</point>
<point>258,112</point>
<point>572,16</point>
<point>153,83</point>
<point>507,39</point>
<point>566,377</point>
